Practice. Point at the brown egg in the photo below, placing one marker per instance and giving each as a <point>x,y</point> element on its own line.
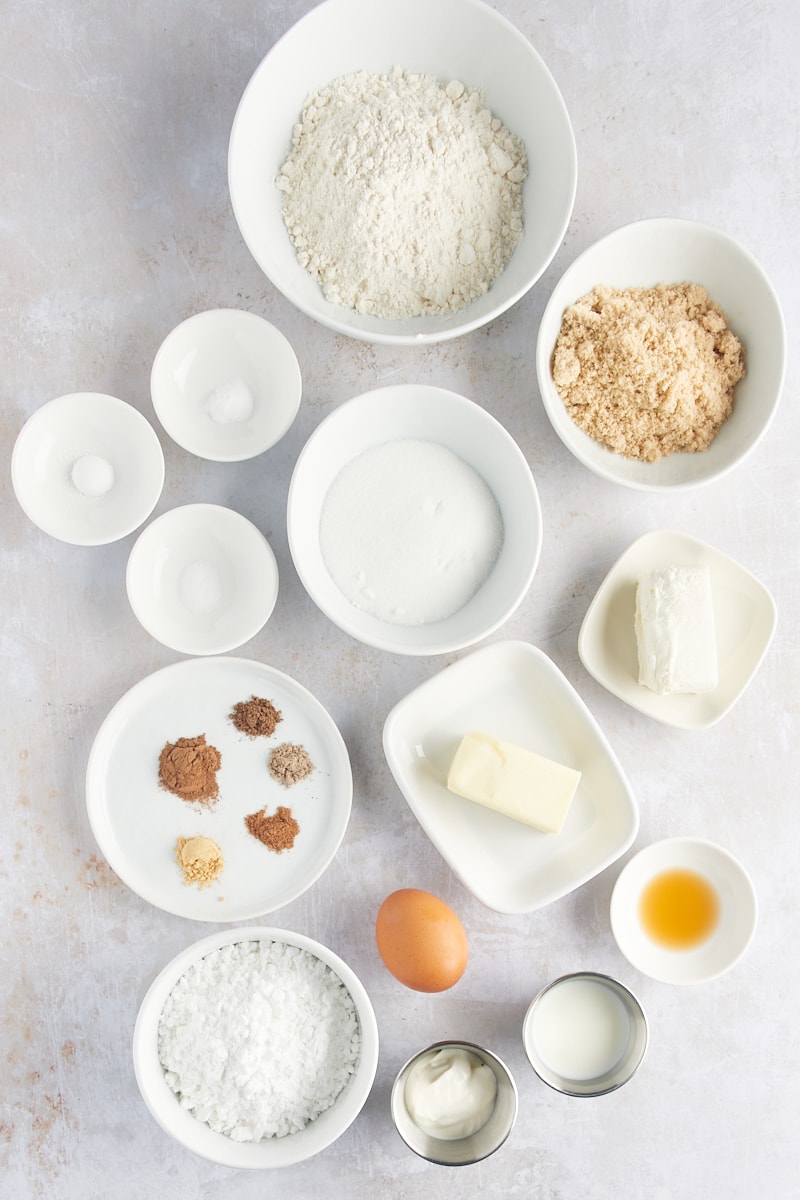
<point>421,940</point>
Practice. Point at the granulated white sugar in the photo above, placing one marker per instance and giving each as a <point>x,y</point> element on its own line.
<point>258,1038</point>
<point>409,531</point>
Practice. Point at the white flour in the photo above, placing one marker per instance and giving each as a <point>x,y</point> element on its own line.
<point>402,195</point>
<point>409,532</point>
<point>258,1038</point>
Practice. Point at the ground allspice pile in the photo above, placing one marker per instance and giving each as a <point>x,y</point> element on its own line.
<point>276,832</point>
<point>200,859</point>
<point>188,768</point>
<point>256,717</point>
<point>648,372</point>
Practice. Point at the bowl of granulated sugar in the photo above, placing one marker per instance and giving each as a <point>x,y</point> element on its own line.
<point>402,172</point>
<point>414,521</point>
<point>661,355</point>
<point>256,1047</point>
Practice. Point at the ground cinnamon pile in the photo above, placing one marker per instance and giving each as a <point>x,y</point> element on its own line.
<point>276,832</point>
<point>289,764</point>
<point>188,768</point>
<point>256,717</point>
<point>200,859</point>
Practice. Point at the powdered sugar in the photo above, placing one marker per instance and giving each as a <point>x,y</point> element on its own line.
<point>402,195</point>
<point>258,1038</point>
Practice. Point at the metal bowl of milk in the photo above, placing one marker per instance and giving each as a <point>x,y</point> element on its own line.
<point>454,1103</point>
<point>585,1034</point>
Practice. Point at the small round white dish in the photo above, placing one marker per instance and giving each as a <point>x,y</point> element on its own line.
<point>446,40</point>
<point>136,823</point>
<point>226,385</point>
<point>513,691</point>
<point>744,619</point>
<point>585,1034</point>
<point>202,579</point>
<point>181,1124</point>
<point>87,468</point>
<point>669,250</point>
<point>473,1148</point>
<point>727,941</point>
<point>429,414</point>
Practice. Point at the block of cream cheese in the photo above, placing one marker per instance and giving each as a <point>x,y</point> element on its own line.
<point>513,781</point>
<point>675,633</point>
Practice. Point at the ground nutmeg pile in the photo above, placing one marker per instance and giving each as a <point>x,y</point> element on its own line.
<point>648,372</point>
<point>276,832</point>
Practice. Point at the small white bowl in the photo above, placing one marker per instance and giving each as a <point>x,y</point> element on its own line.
<point>118,452</point>
<point>448,40</point>
<point>226,385</point>
<point>745,618</point>
<point>431,414</point>
<point>202,579</point>
<point>726,943</point>
<point>668,250</point>
<point>193,1133</point>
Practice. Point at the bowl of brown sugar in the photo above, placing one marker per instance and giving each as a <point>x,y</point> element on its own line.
<point>661,355</point>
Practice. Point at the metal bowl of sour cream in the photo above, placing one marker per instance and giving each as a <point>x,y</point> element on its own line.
<point>450,1088</point>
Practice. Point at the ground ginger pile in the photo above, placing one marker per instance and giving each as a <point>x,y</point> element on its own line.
<point>648,372</point>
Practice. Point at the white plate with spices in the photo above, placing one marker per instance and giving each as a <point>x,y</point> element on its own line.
<point>137,822</point>
<point>745,617</point>
<point>512,691</point>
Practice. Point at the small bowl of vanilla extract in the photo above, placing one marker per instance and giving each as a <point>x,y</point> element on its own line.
<point>683,910</point>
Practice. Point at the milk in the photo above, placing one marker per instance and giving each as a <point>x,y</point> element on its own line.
<point>580,1029</point>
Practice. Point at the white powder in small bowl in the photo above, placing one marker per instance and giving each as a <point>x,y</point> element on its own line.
<point>231,403</point>
<point>258,1038</point>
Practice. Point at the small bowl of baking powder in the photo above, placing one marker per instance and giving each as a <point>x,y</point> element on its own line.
<point>226,385</point>
<point>661,355</point>
<point>414,521</point>
<point>404,179</point>
<point>256,1047</point>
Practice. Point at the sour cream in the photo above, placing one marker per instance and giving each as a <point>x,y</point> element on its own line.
<point>450,1093</point>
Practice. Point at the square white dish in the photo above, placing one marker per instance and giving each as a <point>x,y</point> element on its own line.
<point>512,691</point>
<point>744,616</point>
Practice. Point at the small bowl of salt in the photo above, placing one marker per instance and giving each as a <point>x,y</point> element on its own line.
<point>202,579</point>
<point>87,468</point>
<point>226,385</point>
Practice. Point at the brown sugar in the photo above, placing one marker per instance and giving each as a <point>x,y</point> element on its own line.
<point>188,768</point>
<point>256,717</point>
<point>648,372</point>
<point>276,832</point>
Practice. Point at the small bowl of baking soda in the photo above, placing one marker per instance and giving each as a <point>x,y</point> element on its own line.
<point>87,468</point>
<point>226,385</point>
<point>414,520</point>
<point>202,579</point>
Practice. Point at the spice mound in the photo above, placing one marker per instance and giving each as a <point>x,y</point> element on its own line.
<point>188,768</point>
<point>276,832</point>
<point>257,1039</point>
<point>648,372</point>
<point>289,764</point>
<point>200,859</point>
<point>256,717</point>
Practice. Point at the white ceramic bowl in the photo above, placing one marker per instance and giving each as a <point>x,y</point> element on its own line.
<point>449,39</point>
<point>226,385</point>
<point>198,1137</point>
<point>120,456</point>
<point>726,943</point>
<point>667,250</point>
<point>202,579</point>
<point>431,414</point>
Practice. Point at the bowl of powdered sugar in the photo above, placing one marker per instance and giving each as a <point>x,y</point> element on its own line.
<point>414,521</point>
<point>661,355</point>
<point>403,173</point>
<point>256,1047</point>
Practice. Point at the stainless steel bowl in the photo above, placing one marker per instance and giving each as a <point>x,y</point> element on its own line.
<point>458,1152</point>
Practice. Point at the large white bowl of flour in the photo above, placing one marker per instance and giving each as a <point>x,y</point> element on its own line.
<point>450,40</point>
<point>413,520</point>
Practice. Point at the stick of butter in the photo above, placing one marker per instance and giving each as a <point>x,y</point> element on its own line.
<point>675,635</point>
<point>513,781</point>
